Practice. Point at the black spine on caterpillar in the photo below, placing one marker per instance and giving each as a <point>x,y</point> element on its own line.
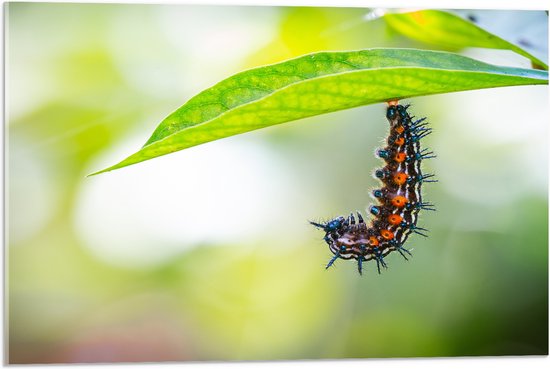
<point>399,199</point>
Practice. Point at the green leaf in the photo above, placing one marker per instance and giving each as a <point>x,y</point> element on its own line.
<point>448,30</point>
<point>320,83</point>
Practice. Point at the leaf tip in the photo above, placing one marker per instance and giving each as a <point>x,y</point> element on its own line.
<point>98,172</point>
<point>108,169</point>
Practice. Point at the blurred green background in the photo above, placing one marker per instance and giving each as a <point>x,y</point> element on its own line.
<point>206,254</point>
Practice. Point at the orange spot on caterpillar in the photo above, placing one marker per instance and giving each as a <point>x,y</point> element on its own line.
<point>400,178</point>
<point>399,141</point>
<point>373,241</point>
<point>388,235</point>
<point>399,129</point>
<point>399,201</point>
<point>400,157</point>
<point>395,219</point>
<point>393,102</point>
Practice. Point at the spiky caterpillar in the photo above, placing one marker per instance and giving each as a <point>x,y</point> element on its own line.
<point>400,198</point>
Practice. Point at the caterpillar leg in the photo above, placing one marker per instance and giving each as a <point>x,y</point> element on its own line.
<point>336,256</point>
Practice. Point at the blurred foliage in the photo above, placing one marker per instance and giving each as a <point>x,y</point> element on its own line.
<point>85,285</point>
<point>451,31</point>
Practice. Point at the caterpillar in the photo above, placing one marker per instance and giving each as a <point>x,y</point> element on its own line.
<point>399,199</point>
